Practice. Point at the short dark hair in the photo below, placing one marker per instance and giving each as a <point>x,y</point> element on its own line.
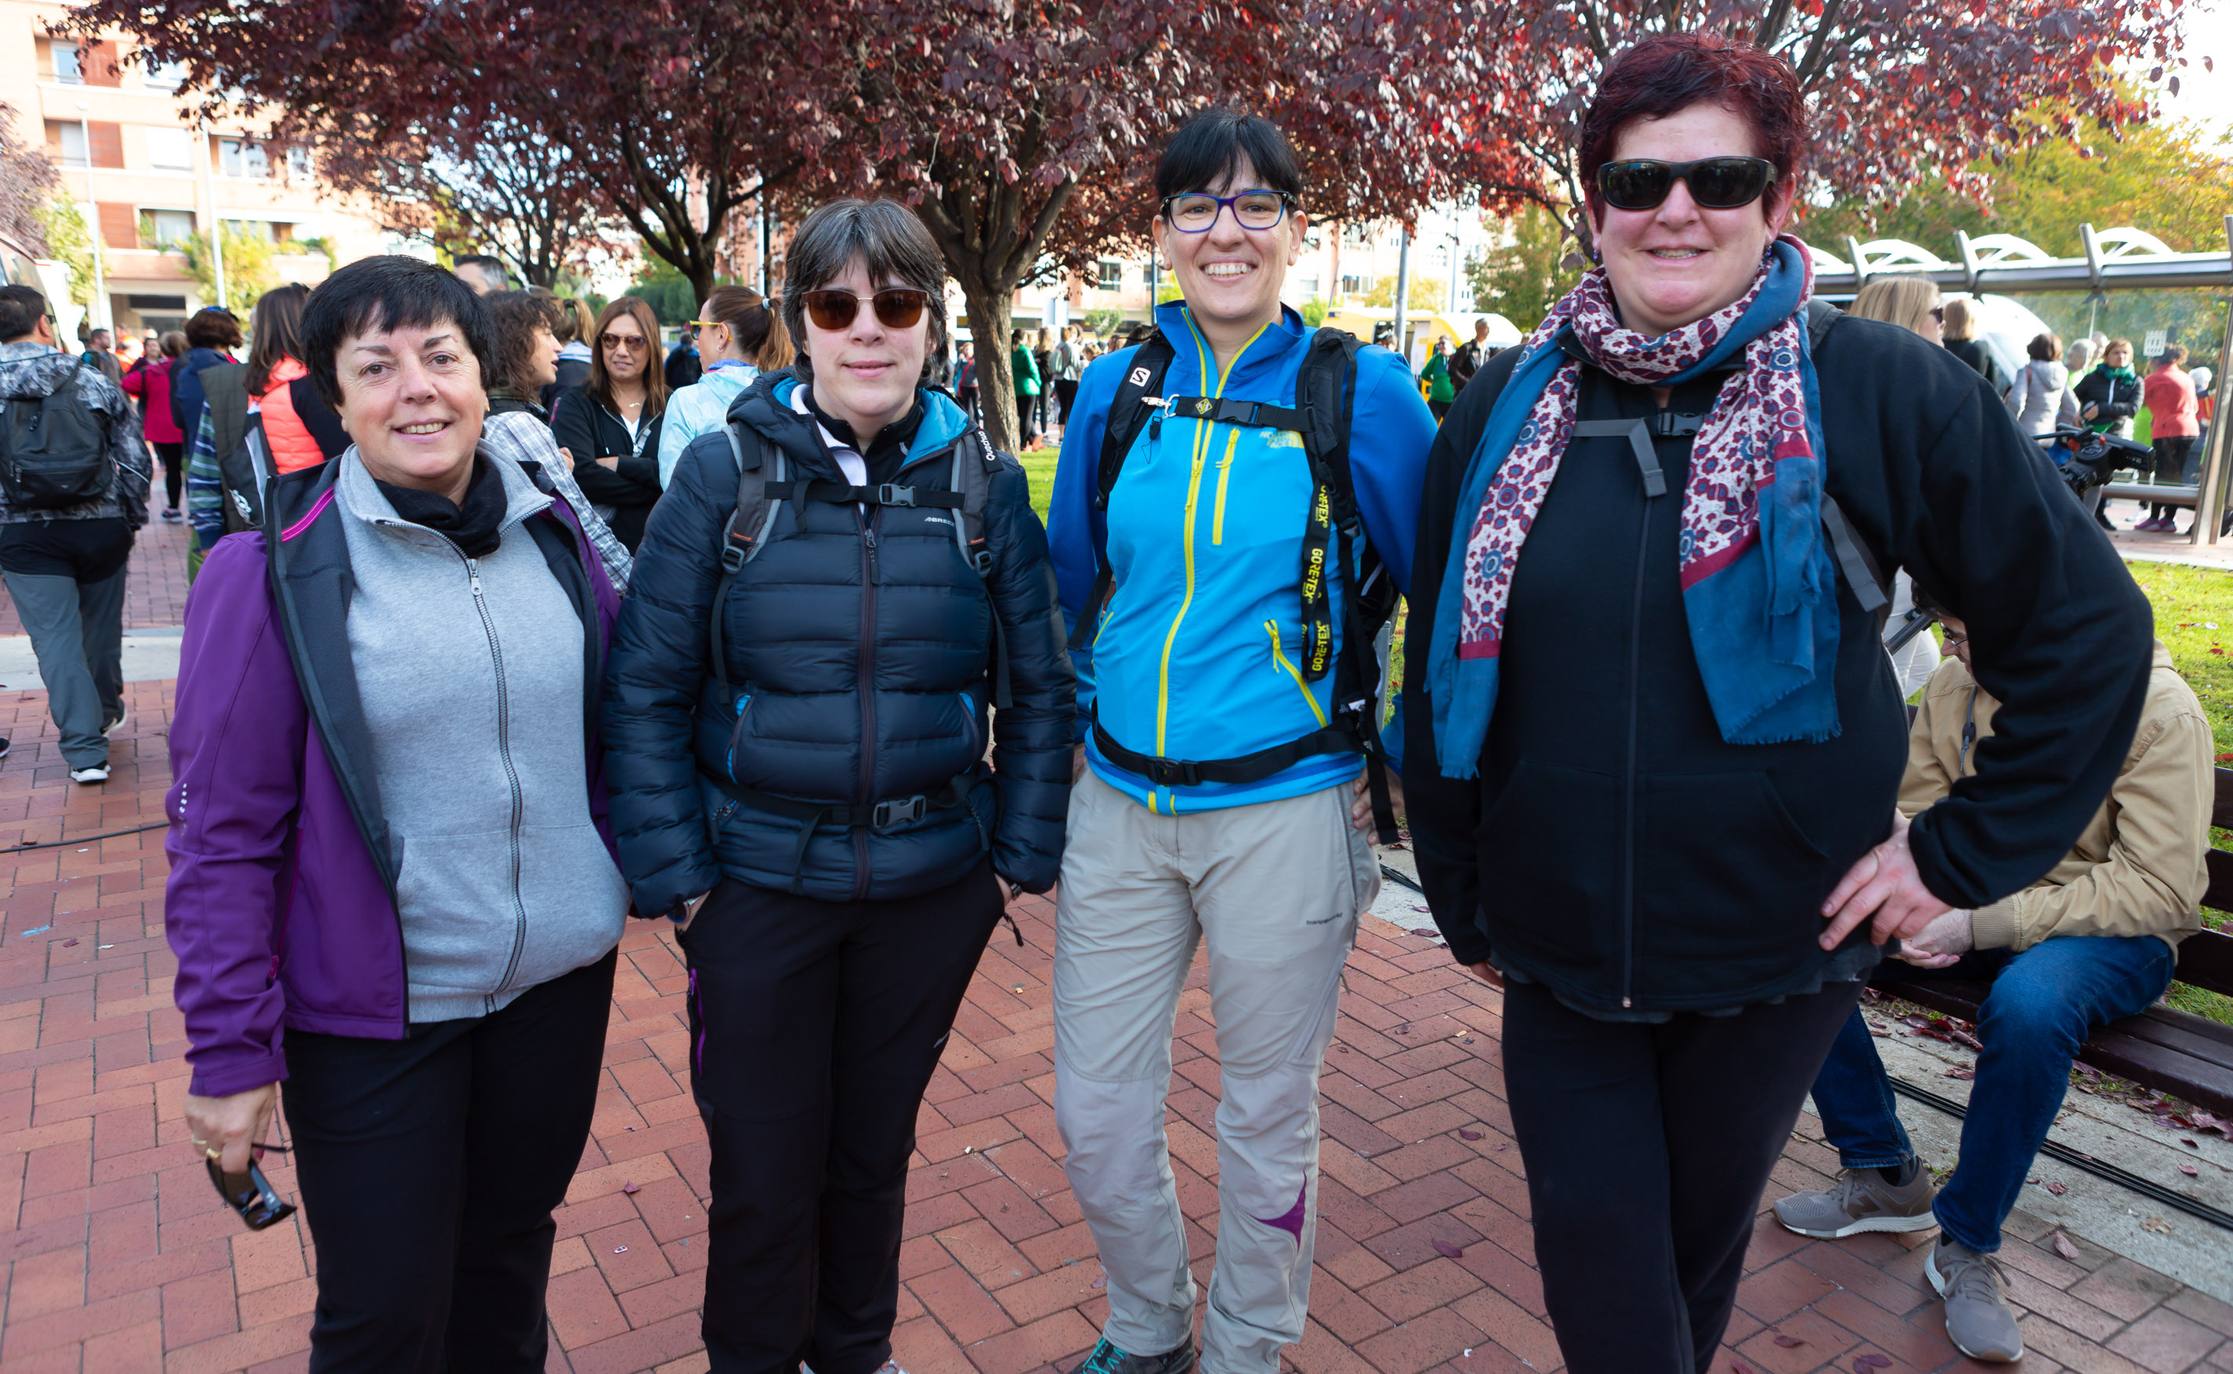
<point>2045,348</point>
<point>2173,354</point>
<point>391,292</point>
<point>212,326</point>
<point>513,318</point>
<point>21,309</point>
<point>98,333</point>
<point>886,238</point>
<point>1669,72</point>
<point>1209,147</point>
<point>494,267</point>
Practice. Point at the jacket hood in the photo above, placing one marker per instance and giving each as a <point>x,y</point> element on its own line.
<point>766,406</point>
<point>30,369</point>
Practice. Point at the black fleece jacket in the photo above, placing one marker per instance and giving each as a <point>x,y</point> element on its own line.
<point>1614,848</point>
<point>589,431</point>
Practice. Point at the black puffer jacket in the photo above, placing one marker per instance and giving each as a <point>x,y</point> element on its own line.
<point>860,647</point>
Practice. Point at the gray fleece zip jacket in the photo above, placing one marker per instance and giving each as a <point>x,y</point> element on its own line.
<point>470,671</point>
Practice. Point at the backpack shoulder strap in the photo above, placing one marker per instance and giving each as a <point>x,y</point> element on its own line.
<point>1822,317</point>
<point>1129,411</point>
<point>975,462</point>
<point>744,535</point>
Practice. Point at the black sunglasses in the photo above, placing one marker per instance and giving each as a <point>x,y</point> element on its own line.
<point>1716,183</point>
<point>897,307</point>
<point>251,1194</point>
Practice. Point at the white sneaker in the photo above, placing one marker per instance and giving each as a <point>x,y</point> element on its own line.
<point>123,713</point>
<point>99,772</point>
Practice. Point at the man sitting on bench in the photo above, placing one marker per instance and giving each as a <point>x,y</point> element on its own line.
<point>2093,941</point>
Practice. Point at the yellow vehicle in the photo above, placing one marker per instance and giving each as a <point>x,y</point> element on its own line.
<point>1425,328</point>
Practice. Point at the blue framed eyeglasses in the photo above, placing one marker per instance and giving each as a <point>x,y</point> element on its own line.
<point>1194,212</point>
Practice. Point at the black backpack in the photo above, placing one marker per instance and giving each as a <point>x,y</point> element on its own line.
<point>1325,389</point>
<point>54,454</point>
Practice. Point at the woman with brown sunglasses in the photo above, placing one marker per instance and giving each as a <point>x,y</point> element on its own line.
<point>608,427</point>
<point>840,585</point>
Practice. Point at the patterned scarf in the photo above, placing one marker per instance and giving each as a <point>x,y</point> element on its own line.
<point>1759,587</point>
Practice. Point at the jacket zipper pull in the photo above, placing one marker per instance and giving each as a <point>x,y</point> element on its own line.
<point>473,572</point>
<point>868,536</point>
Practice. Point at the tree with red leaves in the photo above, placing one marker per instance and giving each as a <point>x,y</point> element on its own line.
<point>1899,92</point>
<point>668,112</point>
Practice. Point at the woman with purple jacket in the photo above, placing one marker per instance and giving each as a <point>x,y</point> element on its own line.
<point>392,881</point>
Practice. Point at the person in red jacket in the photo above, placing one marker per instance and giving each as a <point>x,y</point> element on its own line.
<point>149,384</point>
<point>2173,424</point>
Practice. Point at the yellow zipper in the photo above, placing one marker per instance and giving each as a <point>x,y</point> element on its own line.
<point>1224,475</point>
<point>1279,657</point>
<point>1203,433</point>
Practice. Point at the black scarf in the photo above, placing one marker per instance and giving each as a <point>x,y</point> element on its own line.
<point>472,524</point>
<point>891,441</point>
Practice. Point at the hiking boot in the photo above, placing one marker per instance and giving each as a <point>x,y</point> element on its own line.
<point>1864,1200</point>
<point>1107,1359</point>
<point>1978,1321</point>
<point>98,772</point>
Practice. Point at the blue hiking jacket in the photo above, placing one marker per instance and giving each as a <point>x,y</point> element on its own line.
<point>1197,651</point>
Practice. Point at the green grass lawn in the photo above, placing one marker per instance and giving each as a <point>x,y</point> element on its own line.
<point>1038,465</point>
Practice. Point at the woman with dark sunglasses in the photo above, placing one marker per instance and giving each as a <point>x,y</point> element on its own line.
<point>1218,603</point>
<point>840,586</point>
<point>608,427</point>
<point>1654,742</point>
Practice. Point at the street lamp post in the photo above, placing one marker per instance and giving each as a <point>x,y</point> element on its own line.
<point>216,224</point>
<point>102,317</point>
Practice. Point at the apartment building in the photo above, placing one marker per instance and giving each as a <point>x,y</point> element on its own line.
<point>145,175</point>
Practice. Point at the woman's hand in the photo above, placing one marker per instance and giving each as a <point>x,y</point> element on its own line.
<point>224,1127</point>
<point>1486,972</point>
<point>1360,805</point>
<point>1884,885</point>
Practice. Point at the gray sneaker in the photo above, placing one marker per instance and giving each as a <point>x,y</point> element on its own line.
<point>1978,1321</point>
<point>1862,1201</point>
<point>1107,1359</point>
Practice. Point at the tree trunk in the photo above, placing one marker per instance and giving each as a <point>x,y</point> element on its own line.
<point>996,382</point>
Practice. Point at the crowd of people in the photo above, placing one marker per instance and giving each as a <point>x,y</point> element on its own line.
<point>506,629</point>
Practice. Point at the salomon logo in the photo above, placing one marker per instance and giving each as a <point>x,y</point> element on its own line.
<point>1139,376</point>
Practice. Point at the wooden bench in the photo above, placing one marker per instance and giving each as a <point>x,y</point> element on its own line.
<point>2162,1049</point>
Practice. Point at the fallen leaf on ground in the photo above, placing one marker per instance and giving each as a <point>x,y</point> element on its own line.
<point>2064,1248</point>
<point>1872,1361</point>
<point>2157,1226</point>
<point>1788,1342</point>
<point>2190,1171</point>
<point>1465,1134</point>
<point>2057,1187</point>
<point>1425,932</point>
<point>1447,1250</point>
<point>631,1188</point>
<point>1961,1073</point>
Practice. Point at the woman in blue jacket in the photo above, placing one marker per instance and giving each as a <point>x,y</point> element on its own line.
<point>837,587</point>
<point>1215,568</point>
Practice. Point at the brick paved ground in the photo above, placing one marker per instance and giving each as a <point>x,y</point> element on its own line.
<point>118,1257</point>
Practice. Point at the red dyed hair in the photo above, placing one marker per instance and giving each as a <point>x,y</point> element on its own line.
<point>1667,72</point>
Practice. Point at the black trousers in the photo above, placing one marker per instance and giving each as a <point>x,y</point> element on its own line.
<point>814,1028</point>
<point>174,470</point>
<point>429,1168</point>
<point>1647,1149</point>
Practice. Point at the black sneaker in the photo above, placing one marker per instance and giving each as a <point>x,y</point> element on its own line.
<point>1107,1359</point>
<point>3,746</point>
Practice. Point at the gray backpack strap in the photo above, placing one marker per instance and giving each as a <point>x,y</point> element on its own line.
<point>742,538</point>
<point>974,465</point>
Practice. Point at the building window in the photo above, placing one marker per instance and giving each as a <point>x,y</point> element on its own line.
<point>165,228</point>
<point>298,164</point>
<point>66,65</point>
<point>168,76</point>
<point>239,157</point>
<point>69,140</point>
<point>253,228</point>
<point>170,150</point>
<point>1309,288</point>
<point>1112,275</point>
<point>1354,282</point>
